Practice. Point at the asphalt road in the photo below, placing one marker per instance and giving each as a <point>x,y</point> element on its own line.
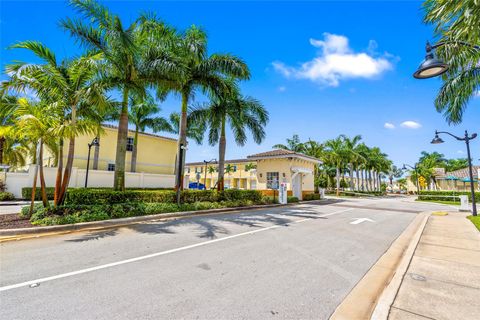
<point>284,263</point>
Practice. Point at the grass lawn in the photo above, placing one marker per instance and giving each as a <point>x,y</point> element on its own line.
<point>454,203</point>
<point>475,221</point>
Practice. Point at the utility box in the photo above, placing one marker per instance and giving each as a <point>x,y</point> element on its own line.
<point>464,203</point>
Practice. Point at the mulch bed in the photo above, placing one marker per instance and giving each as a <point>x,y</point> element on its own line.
<point>12,221</point>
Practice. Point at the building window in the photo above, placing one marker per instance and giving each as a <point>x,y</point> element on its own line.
<point>111,167</point>
<point>234,168</point>
<point>272,180</point>
<point>188,169</point>
<point>129,144</point>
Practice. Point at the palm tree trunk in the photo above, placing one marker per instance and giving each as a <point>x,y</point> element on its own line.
<point>58,180</point>
<point>338,180</point>
<point>34,187</point>
<point>2,142</point>
<point>119,176</point>
<point>352,187</point>
<point>133,167</point>
<point>42,177</point>
<point>221,157</point>
<point>70,154</point>
<point>96,153</point>
<point>182,141</point>
<point>358,179</point>
<point>369,180</point>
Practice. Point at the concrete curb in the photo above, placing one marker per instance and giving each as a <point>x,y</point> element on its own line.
<point>16,234</point>
<point>385,301</point>
<point>372,295</point>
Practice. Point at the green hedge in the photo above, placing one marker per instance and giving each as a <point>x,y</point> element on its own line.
<point>6,196</point>
<point>27,193</point>
<point>437,195</point>
<point>106,196</point>
<point>69,214</point>
<point>311,196</point>
<point>292,199</point>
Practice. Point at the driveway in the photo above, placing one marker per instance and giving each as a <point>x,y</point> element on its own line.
<point>295,262</point>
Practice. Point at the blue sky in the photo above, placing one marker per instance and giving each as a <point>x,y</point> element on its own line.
<point>320,68</point>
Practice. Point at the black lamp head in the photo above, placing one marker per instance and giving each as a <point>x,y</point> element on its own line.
<point>431,66</point>
<point>95,142</point>
<point>437,139</point>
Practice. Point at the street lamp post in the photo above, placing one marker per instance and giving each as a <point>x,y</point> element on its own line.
<point>206,163</point>
<point>466,138</point>
<point>94,143</point>
<point>416,174</point>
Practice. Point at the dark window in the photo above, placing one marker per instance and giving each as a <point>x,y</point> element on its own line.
<point>129,144</point>
<point>111,167</point>
<point>272,180</point>
<point>234,168</point>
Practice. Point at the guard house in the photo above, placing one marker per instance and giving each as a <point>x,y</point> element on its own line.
<point>277,166</point>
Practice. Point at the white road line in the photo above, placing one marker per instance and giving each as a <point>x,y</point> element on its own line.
<point>153,255</point>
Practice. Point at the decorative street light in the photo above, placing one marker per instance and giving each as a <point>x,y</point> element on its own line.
<point>94,143</point>
<point>416,174</point>
<point>433,67</point>
<point>466,138</point>
<point>206,163</point>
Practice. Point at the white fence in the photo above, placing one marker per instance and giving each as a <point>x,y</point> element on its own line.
<point>15,181</point>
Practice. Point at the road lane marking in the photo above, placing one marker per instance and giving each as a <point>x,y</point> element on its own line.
<point>360,220</point>
<point>37,282</point>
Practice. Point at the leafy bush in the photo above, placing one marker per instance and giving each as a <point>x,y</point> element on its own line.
<point>447,195</point>
<point>6,196</point>
<point>311,196</point>
<point>108,196</point>
<point>292,199</point>
<point>27,193</point>
<point>3,187</point>
<point>68,214</point>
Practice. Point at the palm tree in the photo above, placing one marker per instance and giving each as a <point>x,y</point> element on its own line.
<point>241,113</point>
<point>456,24</point>
<point>134,57</point>
<point>211,171</point>
<point>351,153</point>
<point>195,131</point>
<point>335,153</point>
<point>200,71</point>
<point>427,164</point>
<point>316,150</point>
<point>293,144</point>
<point>69,86</point>
<point>7,108</point>
<point>393,173</point>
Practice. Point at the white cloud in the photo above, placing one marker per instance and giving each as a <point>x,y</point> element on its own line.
<point>282,88</point>
<point>336,61</point>
<point>389,125</point>
<point>477,94</point>
<point>460,152</point>
<point>411,124</point>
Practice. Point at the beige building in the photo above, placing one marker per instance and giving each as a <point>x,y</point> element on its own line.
<point>262,171</point>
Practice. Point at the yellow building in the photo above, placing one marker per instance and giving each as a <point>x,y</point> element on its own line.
<point>262,171</point>
<point>156,154</point>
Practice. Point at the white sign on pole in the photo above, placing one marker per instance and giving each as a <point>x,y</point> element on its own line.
<point>282,193</point>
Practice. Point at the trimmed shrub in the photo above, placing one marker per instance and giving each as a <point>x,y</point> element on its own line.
<point>6,196</point>
<point>311,196</point>
<point>108,196</point>
<point>27,193</point>
<point>448,195</point>
<point>292,199</point>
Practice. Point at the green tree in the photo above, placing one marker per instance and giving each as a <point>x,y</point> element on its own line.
<point>456,22</point>
<point>335,154</point>
<point>316,150</point>
<point>198,70</point>
<point>240,113</point>
<point>456,164</point>
<point>352,155</point>
<point>135,57</point>
<point>393,173</point>
<point>293,144</point>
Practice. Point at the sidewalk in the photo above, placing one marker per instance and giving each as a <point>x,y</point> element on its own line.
<point>11,207</point>
<point>443,278</point>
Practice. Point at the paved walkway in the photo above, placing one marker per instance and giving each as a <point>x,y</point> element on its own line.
<point>443,279</point>
<point>11,207</point>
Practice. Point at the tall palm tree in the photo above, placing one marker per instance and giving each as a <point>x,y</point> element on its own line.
<point>69,86</point>
<point>241,113</point>
<point>393,173</point>
<point>195,131</point>
<point>335,153</point>
<point>7,108</point>
<point>204,72</point>
<point>135,56</point>
<point>351,153</point>
<point>293,144</point>
<point>456,23</point>
<point>316,150</point>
